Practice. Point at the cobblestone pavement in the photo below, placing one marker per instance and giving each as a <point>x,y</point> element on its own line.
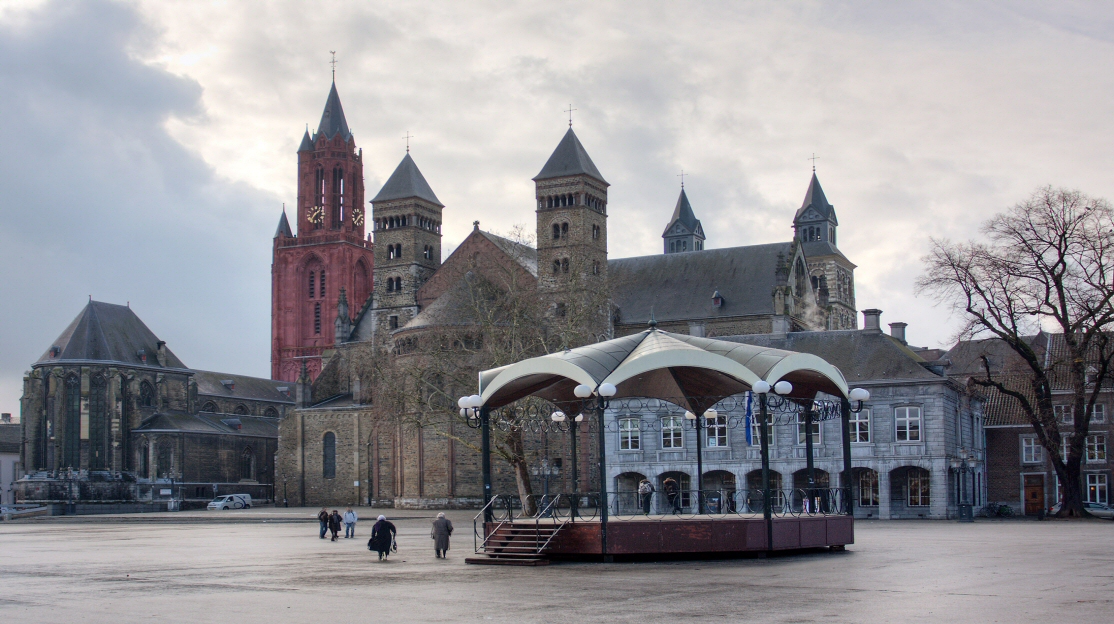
<point>267,565</point>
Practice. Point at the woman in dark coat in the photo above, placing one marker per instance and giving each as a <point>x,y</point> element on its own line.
<point>442,529</point>
<point>334,524</point>
<point>382,537</point>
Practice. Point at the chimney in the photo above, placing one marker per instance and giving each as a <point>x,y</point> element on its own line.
<point>160,352</point>
<point>5,418</point>
<point>897,331</point>
<point>872,321</point>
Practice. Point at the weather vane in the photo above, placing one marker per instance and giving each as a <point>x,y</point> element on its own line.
<point>569,110</point>
<point>408,137</point>
<point>334,64</point>
<point>814,159</point>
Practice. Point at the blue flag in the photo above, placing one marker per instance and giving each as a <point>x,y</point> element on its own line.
<point>750,414</point>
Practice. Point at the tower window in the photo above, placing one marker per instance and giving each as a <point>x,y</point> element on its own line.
<point>595,232</point>
<point>672,246</point>
<point>317,318</point>
<point>322,284</point>
<point>564,265</point>
<point>556,231</point>
<point>832,235</point>
<point>312,284</point>
<point>564,230</point>
<point>595,267</point>
<point>398,284</point>
<point>548,202</point>
<point>393,322</point>
<point>556,266</point>
<point>390,284</point>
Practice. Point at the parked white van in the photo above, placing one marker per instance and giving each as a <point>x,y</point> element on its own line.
<point>231,501</point>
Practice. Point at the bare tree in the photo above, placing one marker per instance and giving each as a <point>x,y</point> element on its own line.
<point>1048,265</point>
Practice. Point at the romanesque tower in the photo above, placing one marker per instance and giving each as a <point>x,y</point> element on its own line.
<point>329,253</point>
<point>407,225</point>
<point>833,275</point>
<point>572,235</point>
<point>684,232</point>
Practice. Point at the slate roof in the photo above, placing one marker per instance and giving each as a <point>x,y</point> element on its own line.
<point>525,255</point>
<point>859,355</point>
<point>679,286</point>
<point>209,424</point>
<point>815,198</point>
<point>332,118</point>
<point>10,437</point>
<point>407,181</point>
<point>247,388</point>
<point>683,213</point>
<point>816,249</point>
<point>569,159</point>
<point>110,333</point>
<point>454,308</point>
<point>283,228</point>
<point>307,143</point>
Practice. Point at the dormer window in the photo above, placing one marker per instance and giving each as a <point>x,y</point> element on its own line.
<point>717,300</point>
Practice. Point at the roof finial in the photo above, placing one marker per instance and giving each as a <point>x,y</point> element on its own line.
<point>408,137</point>
<point>569,110</point>
<point>653,323</point>
<point>814,159</point>
<point>682,176</point>
<point>476,225</point>
<point>334,64</point>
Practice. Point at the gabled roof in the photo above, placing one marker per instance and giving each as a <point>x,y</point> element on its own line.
<point>679,286</point>
<point>283,228</point>
<point>815,199</point>
<point>683,214</point>
<point>523,254</point>
<point>332,118</point>
<point>244,387</point>
<point>407,181</point>
<point>569,159</point>
<point>210,424</point>
<point>819,249</point>
<point>110,333</point>
<point>307,143</point>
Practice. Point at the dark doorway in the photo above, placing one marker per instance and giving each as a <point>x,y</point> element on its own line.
<point>1034,494</point>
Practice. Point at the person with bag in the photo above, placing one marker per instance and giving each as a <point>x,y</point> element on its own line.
<point>442,529</point>
<point>645,495</point>
<point>672,494</point>
<point>334,524</point>
<point>383,538</point>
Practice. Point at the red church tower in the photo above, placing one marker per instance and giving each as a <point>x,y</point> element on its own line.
<point>329,256</point>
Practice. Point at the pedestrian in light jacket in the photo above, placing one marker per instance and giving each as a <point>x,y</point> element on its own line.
<point>442,529</point>
<point>349,523</point>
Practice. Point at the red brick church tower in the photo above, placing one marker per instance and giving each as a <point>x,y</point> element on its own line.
<point>329,257</point>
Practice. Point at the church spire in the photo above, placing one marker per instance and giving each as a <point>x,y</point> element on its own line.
<point>684,232</point>
<point>569,159</point>
<point>815,220</point>
<point>332,118</point>
<point>283,226</point>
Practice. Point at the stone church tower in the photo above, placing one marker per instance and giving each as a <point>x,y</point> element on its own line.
<point>684,232</point>
<point>328,256</point>
<point>407,225</point>
<point>832,274</point>
<point>571,229</point>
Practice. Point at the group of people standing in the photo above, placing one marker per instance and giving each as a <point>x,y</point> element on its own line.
<point>383,532</point>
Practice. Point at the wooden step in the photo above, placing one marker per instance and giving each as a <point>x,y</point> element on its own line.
<point>532,561</point>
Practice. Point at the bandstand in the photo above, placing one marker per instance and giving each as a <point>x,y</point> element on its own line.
<point>707,378</point>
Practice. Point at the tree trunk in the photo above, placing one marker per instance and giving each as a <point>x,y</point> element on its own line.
<point>1071,501</point>
<point>521,472</point>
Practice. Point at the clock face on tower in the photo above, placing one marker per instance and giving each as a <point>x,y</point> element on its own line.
<point>358,216</point>
<point>316,214</point>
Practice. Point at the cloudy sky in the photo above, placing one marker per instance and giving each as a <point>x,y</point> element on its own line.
<point>150,145</point>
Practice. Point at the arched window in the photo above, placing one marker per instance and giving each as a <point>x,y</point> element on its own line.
<point>247,464</point>
<point>146,394</point>
<point>338,197</point>
<point>832,235</point>
<point>144,462</point>
<point>556,266</point>
<point>71,449</point>
<point>98,388</point>
<point>672,246</point>
<point>319,191</point>
<point>564,230</point>
<point>165,460</point>
<point>595,267</point>
<point>556,231</point>
<point>317,318</point>
<point>322,284</point>
<point>390,284</point>
<point>595,232</point>
<point>329,455</point>
<point>270,412</point>
<point>398,284</point>
<point>564,265</point>
<point>209,407</point>
<point>241,410</point>
<point>800,278</point>
<point>312,284</point>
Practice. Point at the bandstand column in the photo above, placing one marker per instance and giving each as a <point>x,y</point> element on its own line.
<point>767,501</point>
<point>485,459</point>
<point>603,503</point>
<point>845,421</point>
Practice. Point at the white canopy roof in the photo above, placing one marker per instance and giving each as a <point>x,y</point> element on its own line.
<point>693,372</point>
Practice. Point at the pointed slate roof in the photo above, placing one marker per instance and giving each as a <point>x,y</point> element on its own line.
<point>307,143</point>
<point>283,227</point>
<point>815,199</point>
<point>332,118</point>
<point>683,213</point>
<point>569,159</point>
<point>107,332</point>
<point>406,182</point>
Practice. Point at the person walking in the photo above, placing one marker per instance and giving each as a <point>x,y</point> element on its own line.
<point>334,524</point>
<point>645,495</point>
<point>350,523</point>
<point>383,538</point>
<point>323,518</point>
<point>442,529</point>
<point>672,494</point>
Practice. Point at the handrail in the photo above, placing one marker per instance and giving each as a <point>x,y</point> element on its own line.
<point>475,531</point>
<point>548,510</point>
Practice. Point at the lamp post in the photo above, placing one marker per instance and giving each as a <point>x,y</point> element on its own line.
<point>473,407</point>
<point>762,389</point>
<point>602,394</point>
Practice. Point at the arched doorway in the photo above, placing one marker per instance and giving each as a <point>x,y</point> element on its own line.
<point>754,496</point>
<point>626,499</point>
<point>811,498</point>
<point>866,489</point>
<point>719,492</point>
<point>675,490</point>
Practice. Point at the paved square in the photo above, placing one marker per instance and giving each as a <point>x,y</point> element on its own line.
<point>267,565</point>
